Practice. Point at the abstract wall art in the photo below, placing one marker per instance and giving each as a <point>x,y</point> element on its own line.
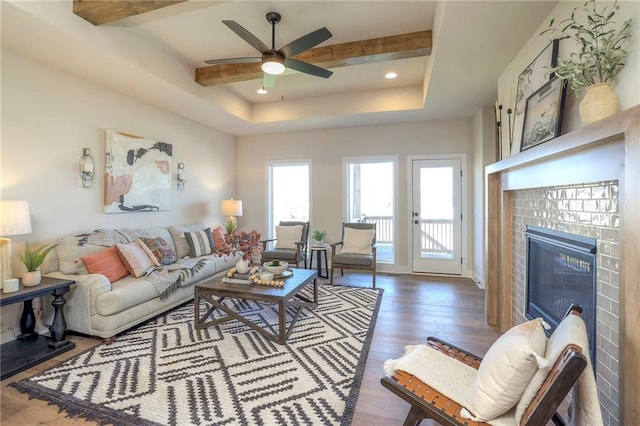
<point>137,174</point>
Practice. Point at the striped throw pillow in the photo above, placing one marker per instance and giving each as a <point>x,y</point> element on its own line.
<point>200,242</point>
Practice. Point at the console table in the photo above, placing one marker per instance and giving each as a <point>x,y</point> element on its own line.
<point>30,348</point>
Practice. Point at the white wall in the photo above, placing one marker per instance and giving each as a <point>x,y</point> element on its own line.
<point>48,116</point>
<point>627,85</point>
<point>327,148</point>
<point>484,153</point>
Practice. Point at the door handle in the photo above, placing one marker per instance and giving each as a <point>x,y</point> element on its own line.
<point>416,214</point>
<point>416,221</point>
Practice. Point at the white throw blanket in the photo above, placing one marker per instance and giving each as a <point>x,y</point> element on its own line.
<point>445,374</point>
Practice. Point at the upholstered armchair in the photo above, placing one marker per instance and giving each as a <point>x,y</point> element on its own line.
<point>290,243</point>
<point>356,250</point>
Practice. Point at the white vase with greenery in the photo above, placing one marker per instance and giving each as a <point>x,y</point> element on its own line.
<point>601,55</point>
<point>32,260</point>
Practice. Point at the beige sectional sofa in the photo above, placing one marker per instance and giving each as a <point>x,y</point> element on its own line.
<point>97,307</point>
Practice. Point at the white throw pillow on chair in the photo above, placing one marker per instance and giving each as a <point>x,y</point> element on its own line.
<point>357,241</point>
<point>288,236</point>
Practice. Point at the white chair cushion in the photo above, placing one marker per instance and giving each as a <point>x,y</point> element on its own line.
<point>357,241</point>
<point>288,236</point>
<point>506,370</point>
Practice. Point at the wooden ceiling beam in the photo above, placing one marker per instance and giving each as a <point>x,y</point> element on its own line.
<point>379,49</point>
<point>100,12</point>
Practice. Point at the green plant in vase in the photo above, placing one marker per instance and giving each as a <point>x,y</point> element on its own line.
<point>32,260</point>
<point>319,236</point>
<point>600,57</point>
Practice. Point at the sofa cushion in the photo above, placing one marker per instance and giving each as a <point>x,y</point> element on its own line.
<point>179,241</point>
<point>134,258</point>
<point>70,251</point>
<point>200,242</point>
<point>126,293</point>
<point>107,263</point>
<point>160,249</point>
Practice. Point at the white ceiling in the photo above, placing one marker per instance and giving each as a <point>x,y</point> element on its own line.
<point>152,57</point>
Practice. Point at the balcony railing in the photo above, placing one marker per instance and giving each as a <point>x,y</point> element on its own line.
<point>436,235</point>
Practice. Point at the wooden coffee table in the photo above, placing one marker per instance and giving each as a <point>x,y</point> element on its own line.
<point>215,291</point>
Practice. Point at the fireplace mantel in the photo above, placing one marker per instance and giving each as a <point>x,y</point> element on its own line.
<point>606,150</point>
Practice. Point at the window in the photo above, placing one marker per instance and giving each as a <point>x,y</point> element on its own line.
<point>371,187</point>
<point>289,185</point>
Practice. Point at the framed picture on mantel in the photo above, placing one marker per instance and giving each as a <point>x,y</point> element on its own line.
<point>543,113</point>
<point>532,78</point>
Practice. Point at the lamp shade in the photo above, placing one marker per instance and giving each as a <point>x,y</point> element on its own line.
<point>14,218</point>
<point>231,207</point>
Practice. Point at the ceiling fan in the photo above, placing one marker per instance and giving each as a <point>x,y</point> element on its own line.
<point>274,62</point>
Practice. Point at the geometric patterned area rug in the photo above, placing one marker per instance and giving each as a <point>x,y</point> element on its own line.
<point>164,372</point>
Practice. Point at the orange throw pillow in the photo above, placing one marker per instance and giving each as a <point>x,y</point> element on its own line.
<point>107,263</point>
<point>219,240</point>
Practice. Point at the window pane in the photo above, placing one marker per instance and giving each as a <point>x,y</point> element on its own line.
<point>371,199</point>
<point>289,189</point>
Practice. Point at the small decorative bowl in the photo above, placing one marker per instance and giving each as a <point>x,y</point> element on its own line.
<point>266,276</point>
<point>275,270</point>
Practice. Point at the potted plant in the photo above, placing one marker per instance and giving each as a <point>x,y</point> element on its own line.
<point>319,236</point>
<point>32,260</point>
<point>600,57</point>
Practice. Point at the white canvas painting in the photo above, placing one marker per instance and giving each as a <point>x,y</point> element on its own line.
<point>137,174</point>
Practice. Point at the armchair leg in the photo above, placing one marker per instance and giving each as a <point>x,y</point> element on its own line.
<point>415,416</point>
<point>331,279</point>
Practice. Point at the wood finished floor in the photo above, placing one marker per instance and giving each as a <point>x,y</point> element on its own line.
<point>412,308</point>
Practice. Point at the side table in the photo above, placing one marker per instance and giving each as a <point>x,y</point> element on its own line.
<point>29,348</point>
<point>321,250</point>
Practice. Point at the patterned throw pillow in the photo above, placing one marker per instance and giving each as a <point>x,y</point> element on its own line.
<point>161,250</point>
<point>219,241</point>
<point>107,263</point>
<point>134,258</point>
<point>200,242</point>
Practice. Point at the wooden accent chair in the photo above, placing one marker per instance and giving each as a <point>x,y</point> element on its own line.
<point>291,255</point>
<point>427,403</point>
<point>360,261</point>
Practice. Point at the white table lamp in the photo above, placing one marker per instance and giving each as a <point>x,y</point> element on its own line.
<point>14,220</point>
<point>231,208</point>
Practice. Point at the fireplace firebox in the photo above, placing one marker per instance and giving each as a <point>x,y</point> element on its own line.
<point>561,270</point>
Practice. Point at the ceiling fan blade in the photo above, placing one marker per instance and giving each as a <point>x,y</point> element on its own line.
<point>268,80</point>
<point>305,42</point>
<point>307,68</point>
<point>247,36</point>
<point>246,60</point>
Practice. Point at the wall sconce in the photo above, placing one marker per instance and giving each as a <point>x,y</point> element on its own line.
<point>86,168</point>
<point>180,176</point>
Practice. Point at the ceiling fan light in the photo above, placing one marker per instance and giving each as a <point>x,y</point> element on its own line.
<point>273,64</point>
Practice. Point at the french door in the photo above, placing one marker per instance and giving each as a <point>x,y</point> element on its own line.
<point>436,215</point>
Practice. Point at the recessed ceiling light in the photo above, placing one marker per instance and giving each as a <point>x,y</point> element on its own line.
<point>390,75</point>
<point>261,91</point>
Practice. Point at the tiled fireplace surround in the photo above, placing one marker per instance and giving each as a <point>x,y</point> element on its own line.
<point>589,210</point>
<point>585,182</point>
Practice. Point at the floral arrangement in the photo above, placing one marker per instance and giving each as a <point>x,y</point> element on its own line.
<point>247,242</point>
